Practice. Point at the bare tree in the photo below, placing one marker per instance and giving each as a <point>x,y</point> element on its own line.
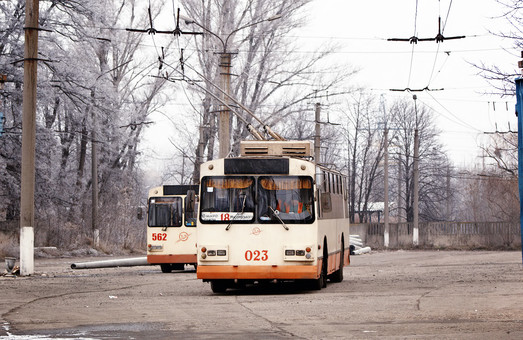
<point>365,152</point>
<point>491,192</point>
<point>94,87</point>
<point>433,163</point>
<point>501,78</point>
<point>267,77</point>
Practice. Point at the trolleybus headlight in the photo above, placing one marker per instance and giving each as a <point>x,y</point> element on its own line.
<point>221,252</point>
<point>300,252</point>
<point>211,253</point>
<point>308,256</point>
<point>289,252</point>
<point>204,255</point>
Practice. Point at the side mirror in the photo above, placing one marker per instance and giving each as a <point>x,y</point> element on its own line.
<point>139,213</point>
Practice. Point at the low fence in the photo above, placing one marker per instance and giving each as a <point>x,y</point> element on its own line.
<point>453,235</point>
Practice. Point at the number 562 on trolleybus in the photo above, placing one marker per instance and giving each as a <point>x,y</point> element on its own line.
<point>171,226</point>
<point>271,215</point>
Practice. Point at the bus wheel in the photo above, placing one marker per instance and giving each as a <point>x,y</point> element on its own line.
<point>324,266</point>
<point>166,267</point>
<point>337,276</point>
<point>218,286</point>
<point>321,282</point>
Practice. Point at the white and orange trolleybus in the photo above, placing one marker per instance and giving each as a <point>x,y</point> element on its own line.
<point>271,215</point>
<point>171,226</point>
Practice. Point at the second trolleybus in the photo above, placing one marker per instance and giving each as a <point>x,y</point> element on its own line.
<point>171,226</point>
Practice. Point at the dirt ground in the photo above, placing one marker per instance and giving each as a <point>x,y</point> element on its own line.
<point>386,294</point>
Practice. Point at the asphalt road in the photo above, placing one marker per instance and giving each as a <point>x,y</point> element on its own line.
<point>396,294</point>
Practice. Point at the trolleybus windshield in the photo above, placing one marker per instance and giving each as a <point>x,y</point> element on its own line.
<point>226,199</point>
<point>165,212</point>
<point>287,199</point>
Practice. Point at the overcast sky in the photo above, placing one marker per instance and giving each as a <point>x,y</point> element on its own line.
<point>463,111</point>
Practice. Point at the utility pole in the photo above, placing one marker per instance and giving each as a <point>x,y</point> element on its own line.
<point>415,231</point>
<point>28,138</point>
<point>399,188</point>
<point>386,188</point>
<point>94,176</point>
<point>224,133</point>
<point>386,232</point>
<point>224,130</point>
<point>317,134</point>
<point>519,114</point>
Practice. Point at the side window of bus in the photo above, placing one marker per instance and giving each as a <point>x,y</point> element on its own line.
<point>326,202</point>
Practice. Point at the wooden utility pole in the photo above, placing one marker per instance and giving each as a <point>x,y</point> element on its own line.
<point>28,138</point>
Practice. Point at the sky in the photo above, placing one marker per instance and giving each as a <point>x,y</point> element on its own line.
<point>463,111</point>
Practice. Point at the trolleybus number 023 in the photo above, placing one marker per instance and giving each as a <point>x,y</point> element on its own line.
<point>256,255</point>
<point>159,236</point>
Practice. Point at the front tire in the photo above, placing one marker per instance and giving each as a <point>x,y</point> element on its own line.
<point>166,267</point>
<point>218,286</point>
<point>337,276</point>
<point>321,282</point>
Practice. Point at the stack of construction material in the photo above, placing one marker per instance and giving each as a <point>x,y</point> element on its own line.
<point>356,245</point>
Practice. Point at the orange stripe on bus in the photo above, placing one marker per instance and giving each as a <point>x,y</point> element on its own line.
<point>172,258</point>
<point>256,272</point>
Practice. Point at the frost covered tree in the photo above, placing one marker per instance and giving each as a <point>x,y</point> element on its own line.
<point>94,88</point>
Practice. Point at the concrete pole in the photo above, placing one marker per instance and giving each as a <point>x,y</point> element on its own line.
<point>386,189</point>
<point>94,181</point>
<point>317,134</point>
<point>448,193</point>
<point>399,189</point>
<point>519,113</point>
<point>28,139</point>
<point>224,132</point>
<point>415,232</point>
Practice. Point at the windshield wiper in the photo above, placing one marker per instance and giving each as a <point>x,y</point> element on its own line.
<point>240,214</point>
<point>278,217</point>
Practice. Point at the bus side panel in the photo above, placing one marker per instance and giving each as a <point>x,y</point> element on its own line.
<point>332,230</point>
<point>172,258</point>
<point>177,243</point>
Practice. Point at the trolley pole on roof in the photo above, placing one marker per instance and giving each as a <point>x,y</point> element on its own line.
<point>519,114</point>
<point>28,139</point>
